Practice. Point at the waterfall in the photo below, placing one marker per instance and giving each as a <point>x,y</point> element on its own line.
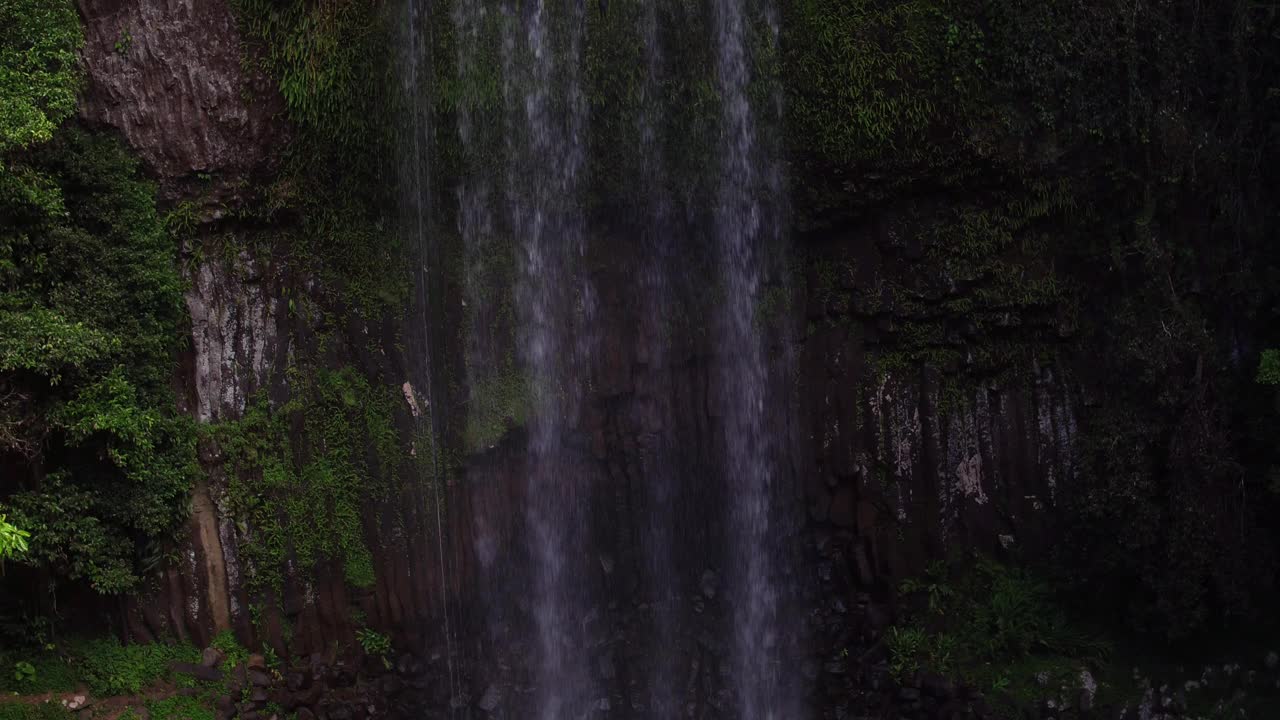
<point>524,152</point>
<point>554,304</point>
<point>530,308</point>
<point>660,509</point>
<point>746,233</point>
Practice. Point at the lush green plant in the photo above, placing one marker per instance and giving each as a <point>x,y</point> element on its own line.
<point>34,669</point>
<point>305,502</point>
<point>272,660</point>
<point>994,625</point>
<point>331,62</point>
<point>933,584</point>
<point>906,644</point>
<point>24,672</point>
<point>376,644</point>
<point>328,59</point>
<point>39,71</point>
<point>90,321</point>
<point>13,540</point>
<point>373,642</point>
<point>110,668</point>
<point>234,654</point>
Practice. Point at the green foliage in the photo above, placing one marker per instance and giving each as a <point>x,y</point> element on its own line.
<point>497,405</point>
<point>1268,368</point>
<point>374,643</point>
<point>110,668</point>
<point>865,78</point>
<point>124,42</point>
<point>42,342</point>
<point>234,654</point>
<point>332,64</point>
<point>24,672</point>
<point>181,707</point>
<point>13,540</point>
<point>91,318</point>
<point>34,711</point>
<point>34,669</point>
<point>302,502</point>
<point>933,585</point>
<point>105,666</point>
<point>995,626</point>
<point>906,645</point>
<point>328,58</point>
<point>39,70</point>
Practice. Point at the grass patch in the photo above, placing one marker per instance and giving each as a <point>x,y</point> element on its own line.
<point>181,708</point>
<point>33,711</point>
<point>113,669</point>
<point>105,667</point>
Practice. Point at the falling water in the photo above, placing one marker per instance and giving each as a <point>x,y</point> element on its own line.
<point>660,478</point>
<point>554,307</point>
<point>522,125</point>
<point>746,233</point>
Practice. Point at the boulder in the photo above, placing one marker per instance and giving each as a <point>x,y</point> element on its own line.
<point>211,657</point>
<point>199,672</point>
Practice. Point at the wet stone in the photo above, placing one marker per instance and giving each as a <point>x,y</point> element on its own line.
<point>210,657</point>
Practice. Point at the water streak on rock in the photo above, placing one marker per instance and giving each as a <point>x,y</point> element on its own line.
<point>747,231</point>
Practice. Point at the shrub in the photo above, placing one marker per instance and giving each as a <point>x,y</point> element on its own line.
<point>234,654</point>
<point>991,624</point>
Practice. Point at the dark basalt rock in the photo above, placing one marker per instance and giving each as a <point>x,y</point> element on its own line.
<point>199,672</point>
<point>178,90</point>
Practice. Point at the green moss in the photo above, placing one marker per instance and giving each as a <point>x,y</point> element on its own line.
<point>333,64</point>
<point>889,364</point>
<point>496,406</point>
<point>1269,368</point>
<point>878,87</point>
<point>301,496</point>
<point>615,85</point>
<point>861,75</point>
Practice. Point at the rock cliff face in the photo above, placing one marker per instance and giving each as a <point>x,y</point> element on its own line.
<point>893,464</point>
<point>169,76</point>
